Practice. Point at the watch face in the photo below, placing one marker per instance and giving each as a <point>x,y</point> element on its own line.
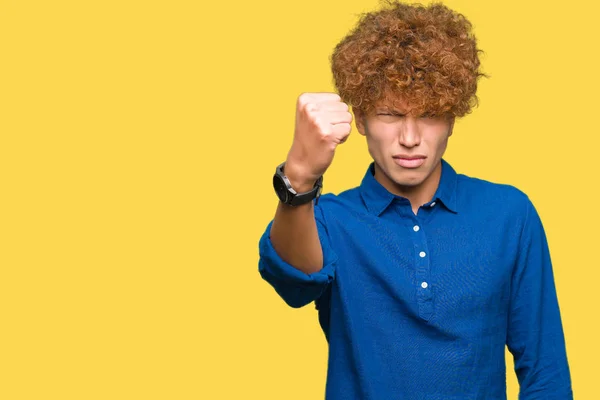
<point>280,188</point>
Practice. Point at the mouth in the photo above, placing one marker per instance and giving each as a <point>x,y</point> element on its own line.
<point>409,161</point>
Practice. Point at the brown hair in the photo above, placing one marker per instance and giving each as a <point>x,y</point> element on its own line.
<point>425,55</point>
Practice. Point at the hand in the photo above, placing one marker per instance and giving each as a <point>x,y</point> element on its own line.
<point>322,123</point>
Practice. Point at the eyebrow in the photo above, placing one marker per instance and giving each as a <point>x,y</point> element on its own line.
<point>391,110</point>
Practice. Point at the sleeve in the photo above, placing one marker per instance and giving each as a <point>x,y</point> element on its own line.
<point>535,334</point>
<point>295,287</point>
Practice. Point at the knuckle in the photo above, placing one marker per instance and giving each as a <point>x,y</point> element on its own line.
<point>325,130</point>
<point>303,98</point>
<point>311,107</point>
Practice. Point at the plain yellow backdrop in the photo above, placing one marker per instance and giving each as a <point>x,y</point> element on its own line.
<point>138,144</point>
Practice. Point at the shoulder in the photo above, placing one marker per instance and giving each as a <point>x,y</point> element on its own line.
<point>337,204</point>
<point>501,198</point>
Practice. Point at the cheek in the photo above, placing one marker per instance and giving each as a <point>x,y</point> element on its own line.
<point>372,145</point>
<point>380,141</point>
<point>444,143</point>
<point>441,147</point>
<point>382,138</point>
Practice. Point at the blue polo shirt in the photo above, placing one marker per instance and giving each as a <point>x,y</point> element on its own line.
<point>420,307</point>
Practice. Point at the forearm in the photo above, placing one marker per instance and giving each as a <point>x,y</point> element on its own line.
<point>295,237</point>
<point>294,233</point>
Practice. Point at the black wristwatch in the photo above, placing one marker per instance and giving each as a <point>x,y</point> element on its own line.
<point>288,195</point>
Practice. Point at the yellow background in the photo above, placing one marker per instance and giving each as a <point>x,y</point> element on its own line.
<point>138,142</point>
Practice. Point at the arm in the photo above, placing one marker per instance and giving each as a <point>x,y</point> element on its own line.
<point>296,287</point>
<point>294,232</point>
<point>535,335</point>
<point>295,256</point>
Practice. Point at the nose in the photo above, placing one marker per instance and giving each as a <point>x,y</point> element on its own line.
<point>409,135</point>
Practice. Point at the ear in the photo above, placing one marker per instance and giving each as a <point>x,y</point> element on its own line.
<point>359,120</point>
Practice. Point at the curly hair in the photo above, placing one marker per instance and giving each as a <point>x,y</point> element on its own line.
<point>426,56</point>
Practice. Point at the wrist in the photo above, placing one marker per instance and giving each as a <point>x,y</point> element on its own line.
<point>300,180</point>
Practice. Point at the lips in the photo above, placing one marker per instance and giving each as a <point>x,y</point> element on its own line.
<point>409,161</point>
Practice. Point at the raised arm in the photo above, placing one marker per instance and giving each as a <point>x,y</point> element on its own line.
<point>295,254</point>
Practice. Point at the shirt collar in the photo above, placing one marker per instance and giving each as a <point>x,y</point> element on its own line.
<point>377,198</point>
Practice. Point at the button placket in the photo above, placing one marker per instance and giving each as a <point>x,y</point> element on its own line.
<point>422,272</point>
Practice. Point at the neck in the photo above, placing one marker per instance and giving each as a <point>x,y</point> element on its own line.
<point>417,195</point>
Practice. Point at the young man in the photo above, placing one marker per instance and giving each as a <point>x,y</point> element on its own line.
<point>421,276</point>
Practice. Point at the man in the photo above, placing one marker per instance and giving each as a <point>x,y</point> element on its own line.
<point>421,276</point>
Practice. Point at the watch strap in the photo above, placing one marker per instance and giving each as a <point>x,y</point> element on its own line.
<point>301,198</point>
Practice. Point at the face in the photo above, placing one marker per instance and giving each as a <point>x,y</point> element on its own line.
<point>407,149</point>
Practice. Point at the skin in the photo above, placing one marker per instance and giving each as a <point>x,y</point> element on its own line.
<point>392,130</point>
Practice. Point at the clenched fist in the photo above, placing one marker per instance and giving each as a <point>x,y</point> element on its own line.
<point>322,122</point>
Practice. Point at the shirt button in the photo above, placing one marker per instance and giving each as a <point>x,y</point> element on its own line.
<point>432,204</point>
<point>424,285</point>
<point>422,254</point>
<point>416,228</point>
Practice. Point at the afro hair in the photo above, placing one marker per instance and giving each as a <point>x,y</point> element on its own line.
<point>425,56</point>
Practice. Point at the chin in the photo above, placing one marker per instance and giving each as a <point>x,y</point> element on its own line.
<point>408,182</point>
<point>408,178</point>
